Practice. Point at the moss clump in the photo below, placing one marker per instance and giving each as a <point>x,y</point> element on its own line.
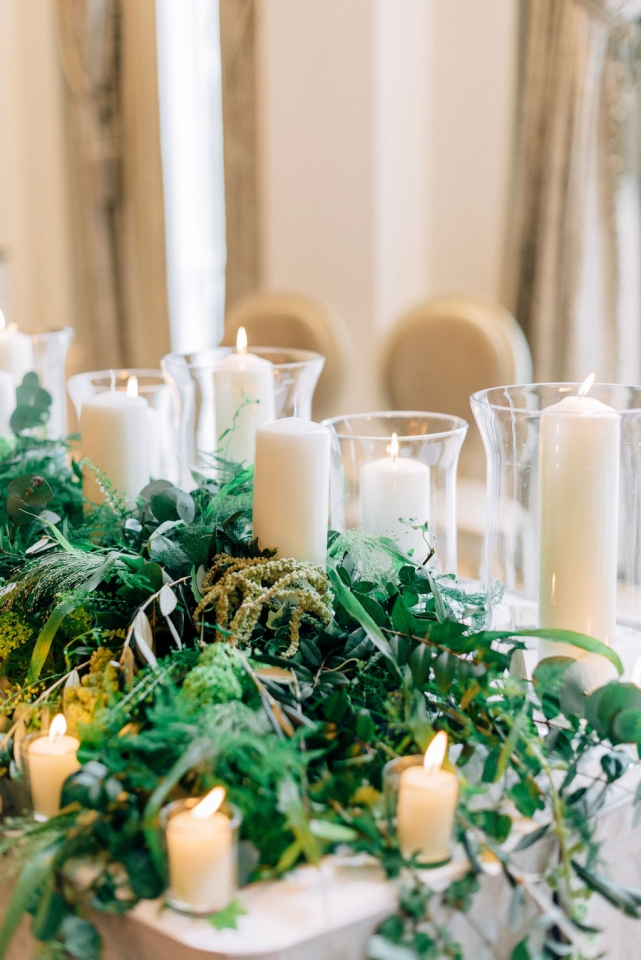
<point>82,702</point>
<point>219,677</point>
<point>14,633</point>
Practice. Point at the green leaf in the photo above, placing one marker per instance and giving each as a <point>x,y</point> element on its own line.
<point>45,638</point>
<point>290,804</point>
<point>549,673</point>
<point>356,610</point>
<point>335,707</point>
<point>52,908</point>
<point>81,939</point>
<point>379,948</point>
<point>173,504</point>
<point>34,873</point>
<point>627,726</point>
<point>521,951</point>
<point>532,837</point>
<point>48,632</point>
<point>420,663</point>
<point>625,898</point>
<point>402,620</point>
<point>444,670</point>
<point>227,919</point>
<point>509,746</point>
<point>577,640</point>
<point>497,825</point>
<point>332,832</point>
<point>615,698</point>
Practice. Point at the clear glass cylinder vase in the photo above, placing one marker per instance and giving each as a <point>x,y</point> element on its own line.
<point>194,379</point>
<point>563,536</point>
<point>151,385</point>
<point>49,359</point>
<point>394,471</point>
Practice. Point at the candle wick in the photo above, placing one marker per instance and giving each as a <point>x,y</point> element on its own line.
<point>112,374</point>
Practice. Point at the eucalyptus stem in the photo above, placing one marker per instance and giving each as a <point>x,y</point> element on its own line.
<point>559,828</point>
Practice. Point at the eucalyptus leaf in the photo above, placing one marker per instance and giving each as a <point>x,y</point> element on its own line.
<point>167,600</point>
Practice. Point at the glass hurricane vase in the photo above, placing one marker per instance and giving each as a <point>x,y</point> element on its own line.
<point>532,553</point>
<point>393,472</point>
<point>151,385</point>
<point>194,381</point>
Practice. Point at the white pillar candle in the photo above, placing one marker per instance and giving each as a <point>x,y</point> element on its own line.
<point>200,851</point>
<point>244,400</point>
<point>114,431</point>
<point>426,806</point>
<point>7,402</point>
<point>291,489</point>
<point>16,352</point>
<point>392,488</point>
<point>579,495</point>
<point>51,759</point>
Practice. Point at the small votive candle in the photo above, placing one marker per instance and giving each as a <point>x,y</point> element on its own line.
<point>201,856</point>
<point>426,806</point>
<point>51,759</point>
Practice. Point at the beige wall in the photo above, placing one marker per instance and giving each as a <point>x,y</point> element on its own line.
<point>386,131</point>
<point>34,208</point>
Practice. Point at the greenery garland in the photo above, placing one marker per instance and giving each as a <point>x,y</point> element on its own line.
<point>184,656</point>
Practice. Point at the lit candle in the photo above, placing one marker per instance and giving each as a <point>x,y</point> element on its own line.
<point>16,352</point>
<point>579,496</point>
<point>392,488</point>
<point>291,488</point>
<point>200,850</point>
<point>51,759</point>
<point>426,806</point>
<point>244,399</point>
<point>114,429</point>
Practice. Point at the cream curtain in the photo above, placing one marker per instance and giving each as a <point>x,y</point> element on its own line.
<point>574,256</point>
<point>240,128</point>
<point>109,57</point>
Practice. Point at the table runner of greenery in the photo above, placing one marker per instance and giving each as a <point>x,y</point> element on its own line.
<point>184,655</point>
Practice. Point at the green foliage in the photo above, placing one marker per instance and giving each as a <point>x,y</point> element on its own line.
<point>187,657</point>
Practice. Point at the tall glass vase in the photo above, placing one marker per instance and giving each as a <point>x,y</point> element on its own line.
<point>521,545</point>
<point>193,379</point>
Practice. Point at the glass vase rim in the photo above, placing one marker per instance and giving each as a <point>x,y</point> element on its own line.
<point>118,372</point>
<point>481,397</point>
<point>459,425</point>
<point>305,357</point>
<point>48,334</point>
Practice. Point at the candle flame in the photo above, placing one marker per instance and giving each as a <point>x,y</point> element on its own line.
<point>3,322</point>
<point>636,673</point>
<point>241,340</point>
<point>58,727</point>
<point>209,804</point>
<point>132,386</point>
<point>587,385</point>
<point>435,753</point>
<point>393,447</point>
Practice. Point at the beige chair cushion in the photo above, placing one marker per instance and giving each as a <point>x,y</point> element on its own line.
<point>444,350</point>
<point>287,320</point>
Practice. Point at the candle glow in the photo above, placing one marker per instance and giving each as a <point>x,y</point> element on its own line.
<point>435,753</point>
<point>209,804</point>
<point>587,385</point>
<point>241,340</point>
<point>132,386</point>
<point>58,726</point>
